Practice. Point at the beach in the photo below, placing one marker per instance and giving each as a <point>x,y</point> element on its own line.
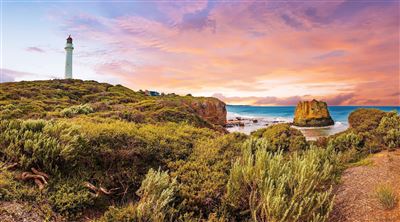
<point>246,119</point>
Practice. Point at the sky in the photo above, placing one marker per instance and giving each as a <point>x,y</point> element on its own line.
<point>242,52</point>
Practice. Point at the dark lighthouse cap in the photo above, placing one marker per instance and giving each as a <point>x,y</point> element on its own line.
<point>69,39</point>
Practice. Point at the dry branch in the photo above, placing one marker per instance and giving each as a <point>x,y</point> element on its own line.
<point>38,177</point>
<point>100,190</point>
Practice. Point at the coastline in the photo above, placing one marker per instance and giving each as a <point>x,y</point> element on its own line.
<point>247,124</point>
<point>256,117</point>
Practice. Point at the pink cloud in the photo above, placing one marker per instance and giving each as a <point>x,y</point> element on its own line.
<point>260,48</point>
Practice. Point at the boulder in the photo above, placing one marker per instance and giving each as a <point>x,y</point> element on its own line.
<point>312,113</point>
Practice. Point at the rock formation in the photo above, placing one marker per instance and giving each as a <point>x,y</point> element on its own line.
<point>211,109</point>
<point>312,113</point>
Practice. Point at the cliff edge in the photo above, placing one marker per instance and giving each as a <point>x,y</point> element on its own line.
<point>312,113</point>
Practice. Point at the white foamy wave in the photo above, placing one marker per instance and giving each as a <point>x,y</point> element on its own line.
<point>231,115</point>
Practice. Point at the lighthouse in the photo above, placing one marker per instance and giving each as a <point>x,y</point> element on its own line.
<point>68,59</point>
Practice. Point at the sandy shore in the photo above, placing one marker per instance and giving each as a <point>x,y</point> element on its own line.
<point>247,125</point>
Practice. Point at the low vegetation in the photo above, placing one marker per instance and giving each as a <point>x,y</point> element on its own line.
<point>130,157</point>
<point>267,186</point>
<point>386,196</point>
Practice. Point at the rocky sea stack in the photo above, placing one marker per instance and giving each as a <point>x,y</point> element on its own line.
<point>312,113</point>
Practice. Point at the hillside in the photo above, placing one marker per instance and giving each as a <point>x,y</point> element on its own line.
<point>73,150</point>
<point>61,98</point>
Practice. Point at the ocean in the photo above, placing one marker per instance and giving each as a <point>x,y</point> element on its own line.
<point>266,115</point>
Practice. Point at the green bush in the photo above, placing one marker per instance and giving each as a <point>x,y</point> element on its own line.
<point>47,145</point>
<point>282,137</point>
<point>347,141</point>
<point>204,175</point>
<point>389,130</point>
<point>267,186</point>
<point>70,197</point>
<point>11,189</point>
<point>75,110</point>
<point>363,120</point>
<point>156,195</point>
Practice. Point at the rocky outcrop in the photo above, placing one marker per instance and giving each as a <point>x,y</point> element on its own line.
<point>211,109</point>
<point>312,113</point>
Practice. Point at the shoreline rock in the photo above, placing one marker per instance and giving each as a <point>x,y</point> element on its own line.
<point>312,114</point>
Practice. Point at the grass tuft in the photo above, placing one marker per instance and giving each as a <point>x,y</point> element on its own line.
<point>387,196</point>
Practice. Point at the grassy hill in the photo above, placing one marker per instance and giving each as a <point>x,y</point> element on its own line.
<point>68,98</point>
<point>73,150</point>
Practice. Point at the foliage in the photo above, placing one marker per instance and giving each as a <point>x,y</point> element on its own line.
<point>122,135</point>
<point>67,98</point>
<point>282,137</point>
<point>204,175</point>
<point>389,129</point>
<point>11,189</point>
<point>347,141</point>
<point>364,120</point>
<point>156,194</point>
<point>270,187</point>
<point>386,196</point>
<point>70,198</point>
<point>48,145</point>
<point>78,109</point>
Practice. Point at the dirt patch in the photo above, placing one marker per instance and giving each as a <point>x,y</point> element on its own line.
<point>355,196</point>
<point>24,212</point>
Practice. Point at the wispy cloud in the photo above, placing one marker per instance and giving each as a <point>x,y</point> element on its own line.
<point>35,49</point>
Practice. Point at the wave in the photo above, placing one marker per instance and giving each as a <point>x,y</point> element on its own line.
<point>232,115</point>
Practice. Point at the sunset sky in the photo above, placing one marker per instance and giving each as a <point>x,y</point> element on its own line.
<point>243,52</point>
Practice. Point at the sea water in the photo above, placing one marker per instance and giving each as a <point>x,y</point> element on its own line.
<point>267,115</point>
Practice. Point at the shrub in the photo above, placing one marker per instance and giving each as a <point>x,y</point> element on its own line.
<point>282,137</point>
<point>204,175</point>
<point>75,110</point>
<point>392,138</point>
<point>10,189</point>
<point>70,198</point>
<point>50,146</point>
<point>389,130</point>
<point>387,197</point>
<point>362,120</point>
<point>132,116</point>
<point>156,195</point>
<point>347,141</point>
<point>267,186</point>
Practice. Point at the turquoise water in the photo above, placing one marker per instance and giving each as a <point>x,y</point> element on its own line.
<point>338,113</point>
<point>270,114</point>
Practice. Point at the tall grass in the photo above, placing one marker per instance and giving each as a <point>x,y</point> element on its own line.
<point>274,187</point>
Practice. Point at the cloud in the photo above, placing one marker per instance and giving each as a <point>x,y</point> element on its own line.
<point>344,52</point>
<point>35,49</point>
<point>8,75</point>
<point>332,54</point>
<point>332,100</point>
<point>340,99</point>
<point>292,21</point>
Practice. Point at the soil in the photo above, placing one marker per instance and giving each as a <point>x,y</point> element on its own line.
<point>12,211</point>
<point>356,200</point>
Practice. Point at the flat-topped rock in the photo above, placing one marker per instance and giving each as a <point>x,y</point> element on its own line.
<point>312,113</point>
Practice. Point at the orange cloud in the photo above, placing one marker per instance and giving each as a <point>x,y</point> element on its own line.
<point>265,53</point>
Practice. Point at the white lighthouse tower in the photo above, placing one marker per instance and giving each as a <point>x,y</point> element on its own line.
<point>68,60</point>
